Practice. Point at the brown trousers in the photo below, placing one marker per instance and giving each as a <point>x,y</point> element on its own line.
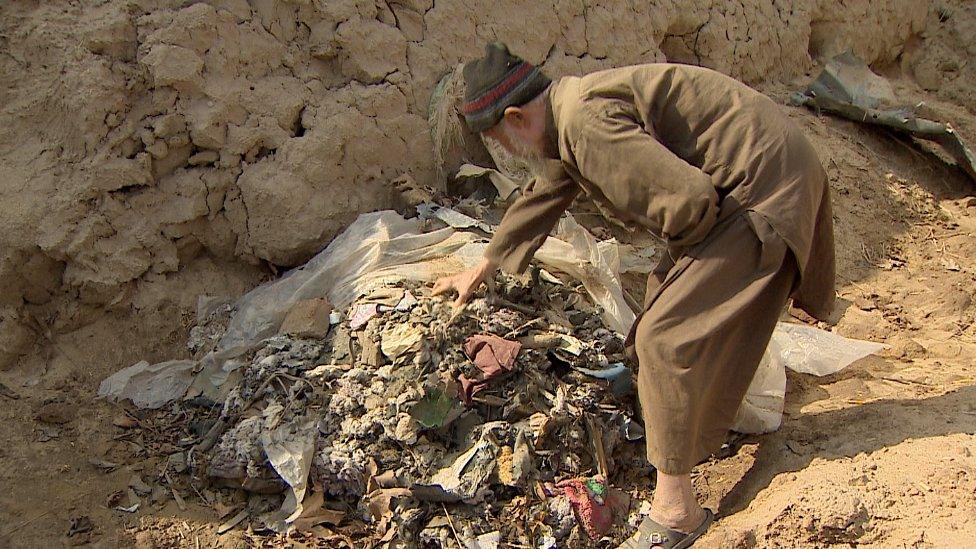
<point>706,324</point>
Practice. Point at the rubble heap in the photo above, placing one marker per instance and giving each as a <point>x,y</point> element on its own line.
<point>406,405</point>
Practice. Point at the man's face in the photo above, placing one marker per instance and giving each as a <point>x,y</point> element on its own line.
<point>521,131</point>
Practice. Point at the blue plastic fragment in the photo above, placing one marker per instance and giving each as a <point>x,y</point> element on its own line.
<point>619,376</point>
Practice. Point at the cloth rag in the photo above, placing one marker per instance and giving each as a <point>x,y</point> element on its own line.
<point>595,503</point>
<point>493,356</point>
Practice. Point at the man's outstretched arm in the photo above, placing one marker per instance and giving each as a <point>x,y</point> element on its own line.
<point>525,227</point>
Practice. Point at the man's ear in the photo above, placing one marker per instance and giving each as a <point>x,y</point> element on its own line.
<point>514,116</point>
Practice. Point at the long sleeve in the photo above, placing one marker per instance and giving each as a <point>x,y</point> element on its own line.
<point>638,174</point>
<point>529,220</point>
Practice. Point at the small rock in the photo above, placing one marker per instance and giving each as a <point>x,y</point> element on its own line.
<point>140,487</point>
<point>204,157</point>
<point>55,413</point>
<point>907,349</point>
<point>159,494</point>
<point>177,462</point>
<point>407,430</point>
<point>158,149</point>
<point>125,421</point>
<point>171,65</point>
<point>169,125</point>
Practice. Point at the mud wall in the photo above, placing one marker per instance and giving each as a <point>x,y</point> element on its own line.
<point>136,136</point>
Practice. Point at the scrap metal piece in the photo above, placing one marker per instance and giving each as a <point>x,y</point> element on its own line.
<point>848,88</point>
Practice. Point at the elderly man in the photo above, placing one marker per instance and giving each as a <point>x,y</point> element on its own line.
<point>723,177</point>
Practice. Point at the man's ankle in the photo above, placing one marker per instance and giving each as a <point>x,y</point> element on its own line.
<point>682,518</point>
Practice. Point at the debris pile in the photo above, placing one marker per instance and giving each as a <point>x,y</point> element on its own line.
<point>405,404</point>
<point>394,418</point>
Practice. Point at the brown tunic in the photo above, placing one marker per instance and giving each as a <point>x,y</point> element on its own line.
<point>671,148</point>
<point>739,196</point>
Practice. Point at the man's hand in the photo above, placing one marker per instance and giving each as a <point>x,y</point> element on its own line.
<point>465,283</point>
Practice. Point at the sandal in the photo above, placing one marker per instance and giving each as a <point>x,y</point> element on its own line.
<point>650,533</point>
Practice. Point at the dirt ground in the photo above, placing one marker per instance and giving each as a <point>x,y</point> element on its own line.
<point>882,454</point>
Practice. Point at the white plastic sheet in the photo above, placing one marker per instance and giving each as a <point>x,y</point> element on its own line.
<point>576,252</point>
<point>378,247</point>
<point>800,348</point>
<point>149,385</point>
<point>382,247</point>
<point>289,449</point>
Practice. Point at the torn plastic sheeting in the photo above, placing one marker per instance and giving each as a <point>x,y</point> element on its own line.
<point>848,88</point>
<point>803,349</point>
<point>149,385</point>
<point>809,350</point>
<point>577,253</point>
<point>484,541</point>
<point>452,218</point>
<point>634,259</point>
<point>848,79</point>
<point>378,247</point>
<point>464,479</point>
<point>216,368</point>
<point>207,304</point>
<point>289,449</point>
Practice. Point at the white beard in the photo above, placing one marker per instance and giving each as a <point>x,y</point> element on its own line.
<point>524,153</point>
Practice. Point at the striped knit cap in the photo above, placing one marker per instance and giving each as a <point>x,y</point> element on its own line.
<point>495,82</point>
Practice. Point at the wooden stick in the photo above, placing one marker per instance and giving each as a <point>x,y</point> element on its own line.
<point>450,522</point>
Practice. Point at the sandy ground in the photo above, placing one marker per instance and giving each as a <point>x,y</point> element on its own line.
<point>882,454</point>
